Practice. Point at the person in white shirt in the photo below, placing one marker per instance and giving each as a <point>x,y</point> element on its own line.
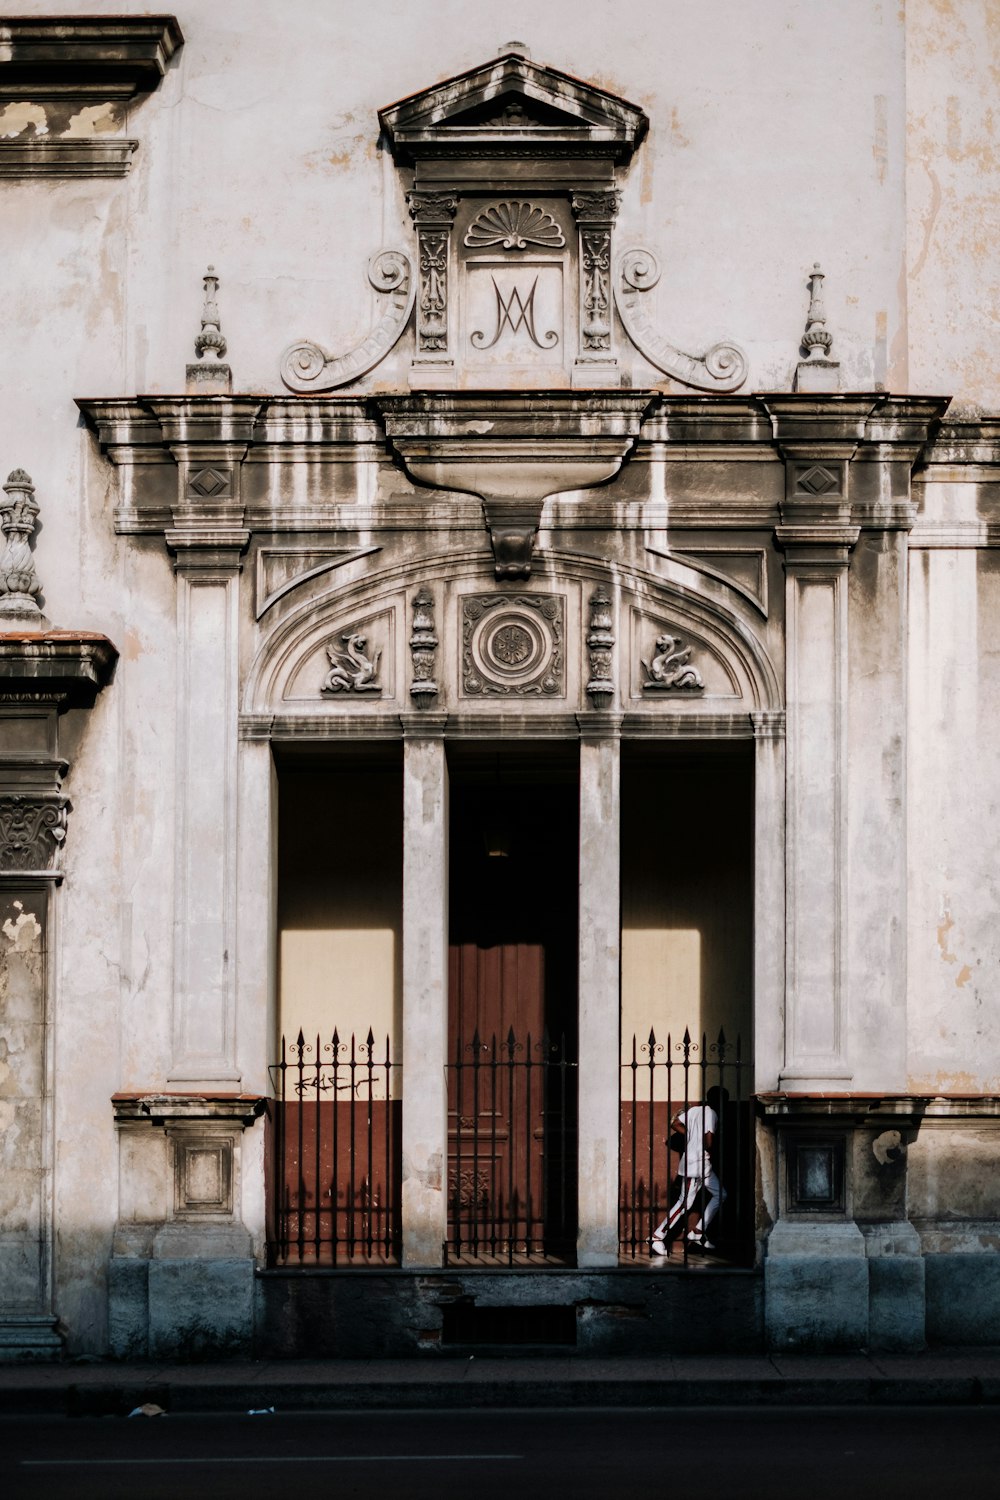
<point>697,1125</point>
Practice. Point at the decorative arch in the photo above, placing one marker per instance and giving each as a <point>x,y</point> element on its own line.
<point>707,612</point>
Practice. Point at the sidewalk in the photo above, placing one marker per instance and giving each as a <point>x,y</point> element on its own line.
<point>944,1377</point>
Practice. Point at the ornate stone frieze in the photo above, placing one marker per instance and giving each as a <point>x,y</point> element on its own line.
<point>352,669</point>
<point>669,667</point>
<point>595,215</point>
<point>32,830</point>
<point>722,368</point>
<point>306,366</point>
<point>513,225</point>
<point>433,214</point>
<point>513,646</point>
<point>423,648</point>
<point>600,646</point>
<point>18,580</point>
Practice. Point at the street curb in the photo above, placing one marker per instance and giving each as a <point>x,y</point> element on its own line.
<point>118,1398</point>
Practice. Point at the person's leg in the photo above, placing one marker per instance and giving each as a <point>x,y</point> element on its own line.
<point>681,1205</point>
<point>716,1195</point>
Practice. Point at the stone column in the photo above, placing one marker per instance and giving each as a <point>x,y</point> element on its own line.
<point>425,989</point>
<point>42,672</point>
<point>769,897</point>
<point>208,438</point>
<point>595,214</point>
<point>599,990</point>
<point>434,215</point>
<point>816,1037</point>
<point>818,438</point>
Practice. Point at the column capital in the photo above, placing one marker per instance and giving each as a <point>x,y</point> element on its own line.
<point>600,725</point>
<point>423,725</point>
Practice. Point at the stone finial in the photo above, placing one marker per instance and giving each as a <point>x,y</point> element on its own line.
<point>212,377</point>
<point>817,372</point>
<point>18,580</point>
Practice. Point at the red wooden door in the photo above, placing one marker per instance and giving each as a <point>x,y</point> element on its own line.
<point>511,1095</point>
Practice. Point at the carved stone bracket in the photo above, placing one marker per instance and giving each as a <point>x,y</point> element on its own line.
<point>600,645</point>
<point>722,368</point>
<point>423,648</point>
<point>512,535</point>
<point>595,215</point>
<point>307,367</point>
<point>513,451</point>
<point>433,214</point>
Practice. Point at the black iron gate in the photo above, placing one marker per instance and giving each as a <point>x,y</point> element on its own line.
<point>333,1158</point>
<point>661,1080</point>
<point>511,1150</point>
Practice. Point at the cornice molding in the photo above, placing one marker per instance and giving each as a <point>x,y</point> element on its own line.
<point>65,664</point>
<point>106,56</point>
<point>58,66</point>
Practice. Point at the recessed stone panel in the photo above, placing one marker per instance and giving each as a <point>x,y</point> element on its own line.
<point>513,645</point>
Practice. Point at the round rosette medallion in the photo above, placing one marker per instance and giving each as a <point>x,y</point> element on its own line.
<point>512,649</point>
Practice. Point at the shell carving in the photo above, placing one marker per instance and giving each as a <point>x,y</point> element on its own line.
<point>515,226</point>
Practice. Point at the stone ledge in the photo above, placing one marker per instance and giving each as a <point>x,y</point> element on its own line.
<point>873,1108</point>
<point>105,55</point>
<point>66,664</point>
<point>159,1108</point>
<point>97,157</point>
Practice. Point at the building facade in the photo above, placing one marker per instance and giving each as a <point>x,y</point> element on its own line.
<point>503,657</point>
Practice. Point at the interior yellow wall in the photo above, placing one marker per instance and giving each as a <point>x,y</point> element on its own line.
<point>687,918</point>
<point>340,905</point>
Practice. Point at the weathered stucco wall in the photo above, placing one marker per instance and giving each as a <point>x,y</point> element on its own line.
<point>860,134</point>
<point>953,198</point>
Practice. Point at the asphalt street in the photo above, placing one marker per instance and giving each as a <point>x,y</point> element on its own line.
<point>744,1453</point>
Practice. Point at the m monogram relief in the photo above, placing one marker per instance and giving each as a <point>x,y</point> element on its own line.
<point>515,311</point>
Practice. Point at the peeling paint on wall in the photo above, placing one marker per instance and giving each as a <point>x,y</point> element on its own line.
<point>24,932</point>
<point>20,117</point>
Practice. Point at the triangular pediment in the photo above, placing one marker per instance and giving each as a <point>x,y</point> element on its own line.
<point>512,101</point>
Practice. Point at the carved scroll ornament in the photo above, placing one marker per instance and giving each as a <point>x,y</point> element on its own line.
<point>722,368</point>
<point>307,367</point>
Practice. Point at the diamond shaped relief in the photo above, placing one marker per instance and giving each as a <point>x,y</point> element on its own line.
<point>817,481</point>
<point>210,482</point>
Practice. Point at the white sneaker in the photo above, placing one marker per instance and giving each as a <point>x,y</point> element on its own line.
<point>658,1246</point>
<point>697,1239</point>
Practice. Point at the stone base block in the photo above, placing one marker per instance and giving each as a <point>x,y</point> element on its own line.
<point>200,1309</point>
<point>128,1308</point>
<point>896,1304</point>
<point>816,1288</point>
<point>28,1338</point>
<point>963,1299</point>
<point>398,1314</point>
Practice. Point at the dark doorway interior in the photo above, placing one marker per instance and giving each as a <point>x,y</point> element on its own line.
<point>512,1012</point>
